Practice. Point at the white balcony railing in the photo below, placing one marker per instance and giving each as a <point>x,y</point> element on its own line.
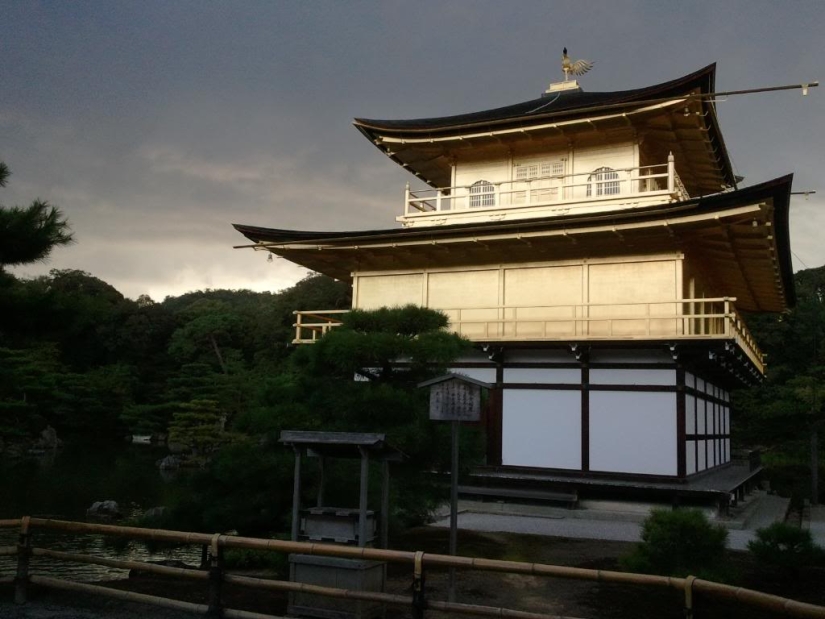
<point>685,319</point>
<point>605,187</point>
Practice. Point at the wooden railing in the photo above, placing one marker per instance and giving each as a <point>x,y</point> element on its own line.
<point>418,600</point>
<point>683,319</point>
<point>615,185</point>
<point>312,325</point>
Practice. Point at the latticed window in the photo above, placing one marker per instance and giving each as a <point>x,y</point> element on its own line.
<point>603,182</point>
<point>482,194</point>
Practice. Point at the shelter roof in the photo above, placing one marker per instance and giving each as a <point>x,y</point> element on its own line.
<point>740,237</point>
<point>342,444</point>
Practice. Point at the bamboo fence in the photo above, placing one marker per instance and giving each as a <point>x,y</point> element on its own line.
<point>419,561</point>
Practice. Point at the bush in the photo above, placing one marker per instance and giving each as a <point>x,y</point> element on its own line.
<point>678,543</point>
<point>786,547</point>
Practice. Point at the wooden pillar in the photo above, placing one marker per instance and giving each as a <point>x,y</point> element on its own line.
<point>362,503</point>
<point>296,495</point>
<point>322,479</point>
<point>585,416</point>
<point>24,551</point>
<point>385,504</point>
<point>215,577</point>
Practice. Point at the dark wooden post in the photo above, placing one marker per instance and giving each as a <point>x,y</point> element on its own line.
<point>296,495</point>
<point>215,576</point>
<point>362,503</point>
<point>419,601</point>
<point>322,479</point>
<point>385,504</point>
<point>24,551</point>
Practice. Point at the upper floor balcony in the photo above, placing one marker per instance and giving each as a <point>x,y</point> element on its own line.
<point>532,194</point>
<point>670,321</point>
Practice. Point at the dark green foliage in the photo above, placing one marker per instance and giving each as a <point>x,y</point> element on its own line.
<point>28,234</point>
<point>372,343</point>
<point>786,547</point>
<point>247,487</point>
<point>780,415</point>
<point>678,543</point>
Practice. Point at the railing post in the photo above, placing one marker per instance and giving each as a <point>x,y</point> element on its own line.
<point>419,602</point>
<point>215,576</point>
<point>727,317</point>
<point>24,551</point>
<point>407,198</point>
<point>671,174</point>
<point>689,597</point>
<point>297,325</point>
<point>438,200</point>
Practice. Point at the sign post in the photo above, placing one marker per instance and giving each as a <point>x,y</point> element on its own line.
<point>454,398</point>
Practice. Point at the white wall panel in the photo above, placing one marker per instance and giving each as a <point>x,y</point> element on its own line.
<point>542,375</point>
<point>702,462</point>
<point>541,428</point>
<point>727,450</point>
<point>700,417</point>
<point>690,458</point>
<point>632,377</point>
<point>690,379</point>
<point>633,432</point>
<point>376,291</point>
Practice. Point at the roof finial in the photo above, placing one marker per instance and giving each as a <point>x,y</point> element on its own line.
<point>580,67</point>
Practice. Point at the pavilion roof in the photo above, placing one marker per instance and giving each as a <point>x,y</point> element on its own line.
<point>741,237</point>
<point>426,146</point>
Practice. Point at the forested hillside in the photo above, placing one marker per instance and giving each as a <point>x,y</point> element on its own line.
<point>78,356</point>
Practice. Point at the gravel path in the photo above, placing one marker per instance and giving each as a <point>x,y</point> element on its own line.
<point>578,528</point>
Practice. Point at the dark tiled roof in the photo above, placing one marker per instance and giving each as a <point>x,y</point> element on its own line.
<point>777,190</point>
<point>564,104</point>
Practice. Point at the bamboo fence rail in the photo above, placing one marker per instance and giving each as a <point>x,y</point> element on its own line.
<point>8,551</point>
<point>418,560</point>
<point>10,523</point>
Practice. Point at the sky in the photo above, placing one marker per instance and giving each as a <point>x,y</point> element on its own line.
<point>156,124</point>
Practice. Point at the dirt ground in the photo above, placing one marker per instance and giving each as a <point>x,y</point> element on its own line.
<point>568,598</point>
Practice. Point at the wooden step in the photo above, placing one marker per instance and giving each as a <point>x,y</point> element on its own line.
<point>568,498</point>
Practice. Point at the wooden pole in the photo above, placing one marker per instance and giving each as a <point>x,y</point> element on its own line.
<point>296,495</point>
<point>24,549</point>
<point>321,479</point>
<point>455,425</point>
<point>215,576</point>
<point>362,502</point>
<point>128,596</point>
<point>385,504</point>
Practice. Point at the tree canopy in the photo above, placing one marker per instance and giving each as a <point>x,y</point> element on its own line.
<point>28,234</point>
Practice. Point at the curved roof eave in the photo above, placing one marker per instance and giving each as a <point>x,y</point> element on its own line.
<point>777,190</point>
<point>566,104</point>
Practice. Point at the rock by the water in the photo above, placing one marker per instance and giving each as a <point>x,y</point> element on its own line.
<point>105,510</point>
<point>154,513</point>
<point>168,463</point>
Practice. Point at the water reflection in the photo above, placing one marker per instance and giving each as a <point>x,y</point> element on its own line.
<point>95,545</point>
<point>64,484</point>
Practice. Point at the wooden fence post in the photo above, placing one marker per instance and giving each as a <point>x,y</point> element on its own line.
<point>419,602</point>
<point>215,576</point>
<point>689,597</point>
<point>24,551</point>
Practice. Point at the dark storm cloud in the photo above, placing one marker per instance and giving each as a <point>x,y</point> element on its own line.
<point>155,125</point>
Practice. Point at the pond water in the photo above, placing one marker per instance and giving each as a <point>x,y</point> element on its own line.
<point>65,484</point>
